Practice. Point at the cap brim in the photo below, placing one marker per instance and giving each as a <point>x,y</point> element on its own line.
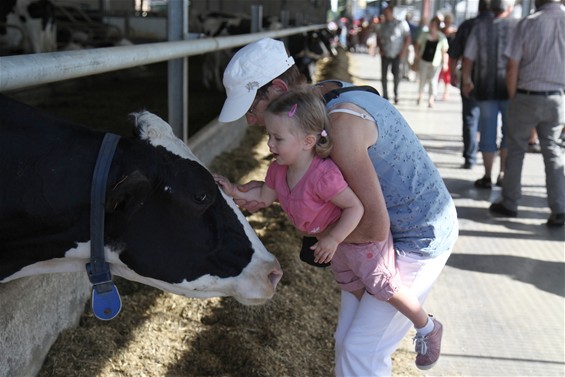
<point>236,106</point>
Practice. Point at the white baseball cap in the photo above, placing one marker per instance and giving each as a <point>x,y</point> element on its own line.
<point>250,68</point>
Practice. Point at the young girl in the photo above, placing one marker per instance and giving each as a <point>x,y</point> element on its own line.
<point>313,193</point>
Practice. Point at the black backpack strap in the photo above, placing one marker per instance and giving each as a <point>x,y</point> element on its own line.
<point>333,94</point>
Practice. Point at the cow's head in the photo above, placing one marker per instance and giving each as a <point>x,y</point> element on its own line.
<point>175,230</point>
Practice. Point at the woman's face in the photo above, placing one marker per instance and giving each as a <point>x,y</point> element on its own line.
<point>434,25</point>
<point>255,114</point>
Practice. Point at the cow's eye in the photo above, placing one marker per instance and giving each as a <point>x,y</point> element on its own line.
<point>201,198</point>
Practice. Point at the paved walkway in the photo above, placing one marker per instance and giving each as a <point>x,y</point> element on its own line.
<point>501,296</point>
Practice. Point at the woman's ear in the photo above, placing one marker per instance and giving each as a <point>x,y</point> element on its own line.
<point>280,86</point>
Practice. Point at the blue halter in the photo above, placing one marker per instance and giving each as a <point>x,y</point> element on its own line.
<point>106,303</point>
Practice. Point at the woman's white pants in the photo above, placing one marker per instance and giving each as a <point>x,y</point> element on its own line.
<point>369,331</point>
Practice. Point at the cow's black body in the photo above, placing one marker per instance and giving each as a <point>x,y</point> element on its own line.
<point>165,217</point>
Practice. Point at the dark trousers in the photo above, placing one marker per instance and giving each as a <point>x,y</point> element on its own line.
<point>394,63</point>
<point>471,115</point>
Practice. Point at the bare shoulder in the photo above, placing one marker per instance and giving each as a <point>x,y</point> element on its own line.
<point>351,121</point>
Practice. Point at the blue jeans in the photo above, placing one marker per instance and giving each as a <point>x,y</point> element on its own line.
<point>471,114</point>
<point>488,124</point>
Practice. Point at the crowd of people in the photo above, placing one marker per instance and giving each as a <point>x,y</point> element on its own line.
<point>353,178</point>
<point>474,58</point>
<point>508,65</point>
<point>400,43</point>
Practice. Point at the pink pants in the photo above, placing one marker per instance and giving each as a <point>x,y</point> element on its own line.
<point>369,265</point>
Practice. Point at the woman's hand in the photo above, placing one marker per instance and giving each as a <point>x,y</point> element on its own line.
<point>252,205</point>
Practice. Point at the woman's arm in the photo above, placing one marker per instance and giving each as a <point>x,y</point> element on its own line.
<point>444,55</point>
<point>253,205</point>
<point>352,137</point>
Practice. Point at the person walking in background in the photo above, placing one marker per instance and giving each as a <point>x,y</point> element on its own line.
<point>393,39</point>
<point>484,56</point>
<point>379,155</point>
<point>431,51</point>
<point>449,30</point>
<point>536,82</point>
<point>408,60</point>
<point>471,110</point>
<point>313,193</point>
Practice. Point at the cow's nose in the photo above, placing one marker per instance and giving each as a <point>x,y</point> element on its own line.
<point>275,276</point>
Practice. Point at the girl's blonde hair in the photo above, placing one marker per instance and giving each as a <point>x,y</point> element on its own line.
<point>309,112</point>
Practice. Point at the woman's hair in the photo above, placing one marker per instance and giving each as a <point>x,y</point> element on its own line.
<point>292,77</point>
<point>437,21</point>
<point>307,108</point>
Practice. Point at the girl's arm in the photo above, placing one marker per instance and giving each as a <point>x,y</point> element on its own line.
<point>352,212</point>
<point>262,194</point>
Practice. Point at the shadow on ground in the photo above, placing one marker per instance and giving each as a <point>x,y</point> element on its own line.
<point>544,275</point>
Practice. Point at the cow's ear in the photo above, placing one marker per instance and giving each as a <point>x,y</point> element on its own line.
<point>128,194</point>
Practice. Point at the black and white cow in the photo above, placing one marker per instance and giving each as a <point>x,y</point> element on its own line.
<point>29,24</point>
<point>167,224</point>
<point>309,47</point>
<point>219,24</point>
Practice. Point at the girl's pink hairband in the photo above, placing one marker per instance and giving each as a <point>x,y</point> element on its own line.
<point>292,110</point>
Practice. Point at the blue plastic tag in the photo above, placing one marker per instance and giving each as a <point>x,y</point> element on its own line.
<point>106,303</point>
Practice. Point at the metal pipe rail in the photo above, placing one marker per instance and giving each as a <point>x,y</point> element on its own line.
<point>21,71</point>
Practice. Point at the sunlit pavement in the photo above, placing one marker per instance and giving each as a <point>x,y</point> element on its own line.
<point>501,296</point>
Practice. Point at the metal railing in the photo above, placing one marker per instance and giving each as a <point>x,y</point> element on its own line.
<point>21,71</point>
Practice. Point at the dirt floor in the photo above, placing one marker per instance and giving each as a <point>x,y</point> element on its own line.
<point>161,334</point>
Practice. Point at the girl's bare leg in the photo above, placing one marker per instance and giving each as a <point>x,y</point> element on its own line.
<point>359,293</point>
<point>407,303</point>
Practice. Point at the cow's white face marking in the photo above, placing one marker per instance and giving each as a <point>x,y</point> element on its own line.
<point>159,133</point>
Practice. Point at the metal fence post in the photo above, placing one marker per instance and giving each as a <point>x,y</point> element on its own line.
<point>177,30</point>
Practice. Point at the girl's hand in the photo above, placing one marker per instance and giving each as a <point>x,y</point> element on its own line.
<point>324,250</point>
<point>228,187</point>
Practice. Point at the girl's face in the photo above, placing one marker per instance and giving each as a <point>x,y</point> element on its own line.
<point>286,141</point>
